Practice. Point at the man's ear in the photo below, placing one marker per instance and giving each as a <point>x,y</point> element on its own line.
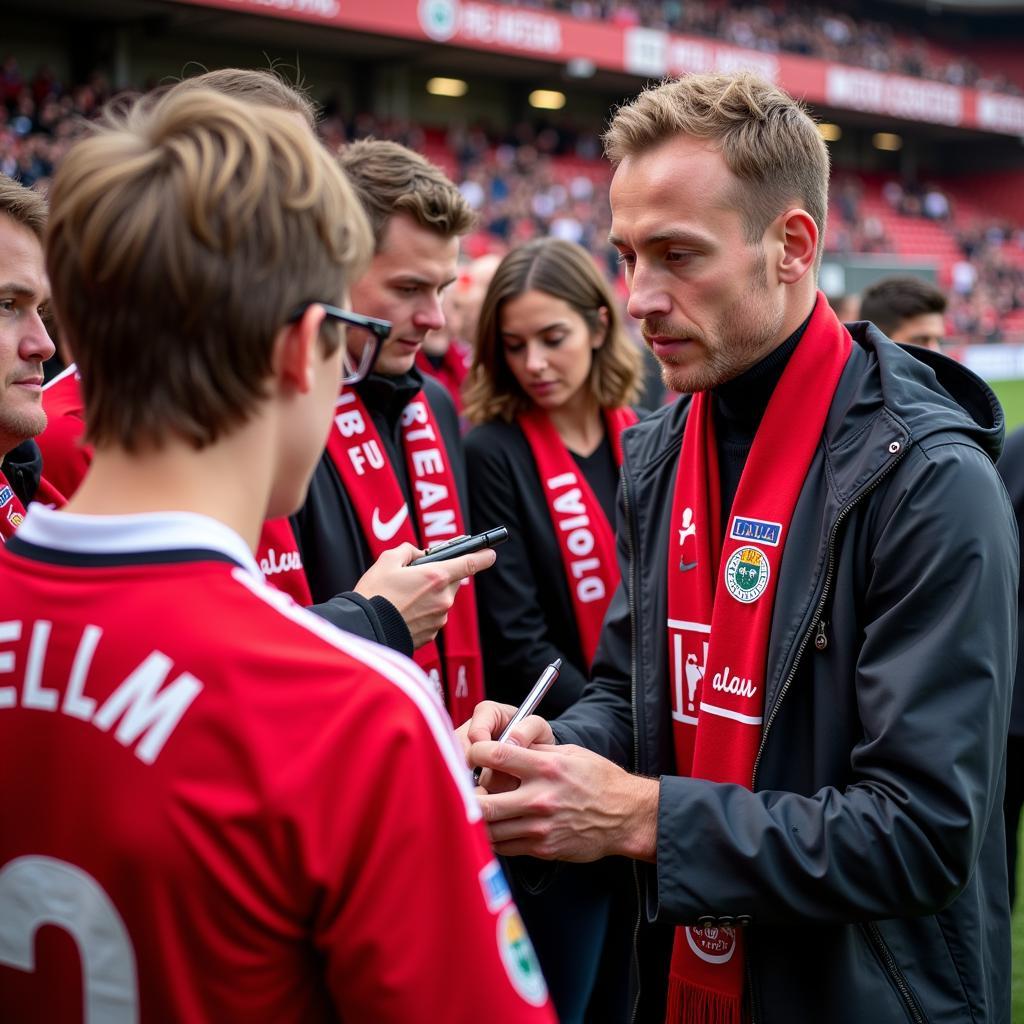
<point>797,236</point>
<point>295,351</point>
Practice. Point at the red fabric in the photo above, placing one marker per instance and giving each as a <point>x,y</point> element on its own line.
<point>66,458</point>
<point>280,561</point>
<point>12,512</point>
<point>721,593</point>
<point>586,539</point>
<point>355,448</point>
<point>453,370</point>
<point>303,846</point>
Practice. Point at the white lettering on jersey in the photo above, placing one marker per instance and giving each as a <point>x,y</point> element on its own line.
<point>142,706</point>
<point>146,711</point>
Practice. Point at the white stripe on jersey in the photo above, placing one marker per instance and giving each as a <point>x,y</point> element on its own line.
<point>395,667</point>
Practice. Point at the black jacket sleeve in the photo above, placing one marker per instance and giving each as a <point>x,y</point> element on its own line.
<point>374,619</point>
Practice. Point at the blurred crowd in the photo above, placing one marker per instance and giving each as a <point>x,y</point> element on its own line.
<point>543,179</point>
<point>827,33</point>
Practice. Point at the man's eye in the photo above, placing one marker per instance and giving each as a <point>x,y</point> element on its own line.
<point>625,259</point>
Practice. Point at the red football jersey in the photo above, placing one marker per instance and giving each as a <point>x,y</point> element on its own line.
<point>217,807</point>
<point>66,458</point>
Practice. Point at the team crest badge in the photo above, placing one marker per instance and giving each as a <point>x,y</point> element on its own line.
<point>746,574</point>
<point>14,517</point>
<point>714,945</point>
<point>519,958</point>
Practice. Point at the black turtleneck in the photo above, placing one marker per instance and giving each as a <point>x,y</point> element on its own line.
<point>738,408</point>
<point>385,398</point>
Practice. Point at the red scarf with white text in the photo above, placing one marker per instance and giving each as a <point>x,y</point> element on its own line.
<point>721,594</point>
<point>585,537</point>
<point>280,562</point>
<point>355,448</point>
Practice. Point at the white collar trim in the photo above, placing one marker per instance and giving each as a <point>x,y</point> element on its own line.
<point>149,531</point>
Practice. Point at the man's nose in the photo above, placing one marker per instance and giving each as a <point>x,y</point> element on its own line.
<point>36,342</point>
<point>647,297</point>
<point>430,315</point>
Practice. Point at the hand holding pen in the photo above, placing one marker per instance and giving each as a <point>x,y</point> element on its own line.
<point>527,708</point>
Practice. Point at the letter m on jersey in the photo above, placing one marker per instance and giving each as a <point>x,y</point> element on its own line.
<point>146,710</point>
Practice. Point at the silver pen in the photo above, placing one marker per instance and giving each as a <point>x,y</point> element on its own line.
<point>527,708</point>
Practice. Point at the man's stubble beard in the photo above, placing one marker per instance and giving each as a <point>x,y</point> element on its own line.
<point>741,340</point>
<point>17,426</point>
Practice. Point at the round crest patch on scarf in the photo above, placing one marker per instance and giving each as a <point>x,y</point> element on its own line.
<point>747,573</point>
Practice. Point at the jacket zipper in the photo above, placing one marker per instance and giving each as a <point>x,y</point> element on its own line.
<point>631,583</point>
<point>812,629</point>
<point>892,968</point>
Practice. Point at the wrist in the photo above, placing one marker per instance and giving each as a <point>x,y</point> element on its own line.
<point>640,828</point>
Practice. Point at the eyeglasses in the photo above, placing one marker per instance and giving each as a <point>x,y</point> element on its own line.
<point>367,332</point>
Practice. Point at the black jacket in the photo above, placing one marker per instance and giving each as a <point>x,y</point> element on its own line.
<point>1011,469</point>
<point>23,466</point>
<point>527,617</point>
<point>869,856</point>
<point>334,550</point>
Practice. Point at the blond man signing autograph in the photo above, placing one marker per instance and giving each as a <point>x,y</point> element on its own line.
<point>797,714</point>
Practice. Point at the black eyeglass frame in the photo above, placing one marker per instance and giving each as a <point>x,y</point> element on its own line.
<point>380,329</point>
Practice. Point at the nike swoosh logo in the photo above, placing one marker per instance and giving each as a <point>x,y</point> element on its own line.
<point>385,529</point>
<point>687,566</point>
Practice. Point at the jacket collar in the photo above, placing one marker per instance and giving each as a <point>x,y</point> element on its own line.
<point>388,396</point>
<point>887,395</point>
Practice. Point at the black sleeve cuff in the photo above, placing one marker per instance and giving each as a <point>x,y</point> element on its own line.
<point>394,633</point>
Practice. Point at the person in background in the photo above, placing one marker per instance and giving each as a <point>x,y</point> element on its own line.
<point>907,309</point>
<point>24,346</point>
<point>447,353</point>
<point>401,598</point>
<point>551,386</point>
<point>249,815</point>
<point>796,719</point>
<point>394,469</point>
<point>1011,469</point>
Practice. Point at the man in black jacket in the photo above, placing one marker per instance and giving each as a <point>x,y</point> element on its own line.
<point>354,509</point>
<point>850,855</point>
<point>1011,469</point>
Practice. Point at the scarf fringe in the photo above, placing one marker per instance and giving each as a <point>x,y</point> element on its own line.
<point>690,1004</point>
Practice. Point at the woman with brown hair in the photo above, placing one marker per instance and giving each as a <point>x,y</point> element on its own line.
<point>550,388</point>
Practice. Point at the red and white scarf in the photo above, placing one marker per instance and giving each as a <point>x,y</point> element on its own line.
<point>585,537</point>
<point>12,512</point>
<point>280,561</point>
<point>355,448</point>
<point>721,594</point>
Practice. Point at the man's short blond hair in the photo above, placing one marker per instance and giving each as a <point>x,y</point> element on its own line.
<point>391,179</point>
<point>767,139</point>
<point>23,206</point>
<point>183,233</point>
